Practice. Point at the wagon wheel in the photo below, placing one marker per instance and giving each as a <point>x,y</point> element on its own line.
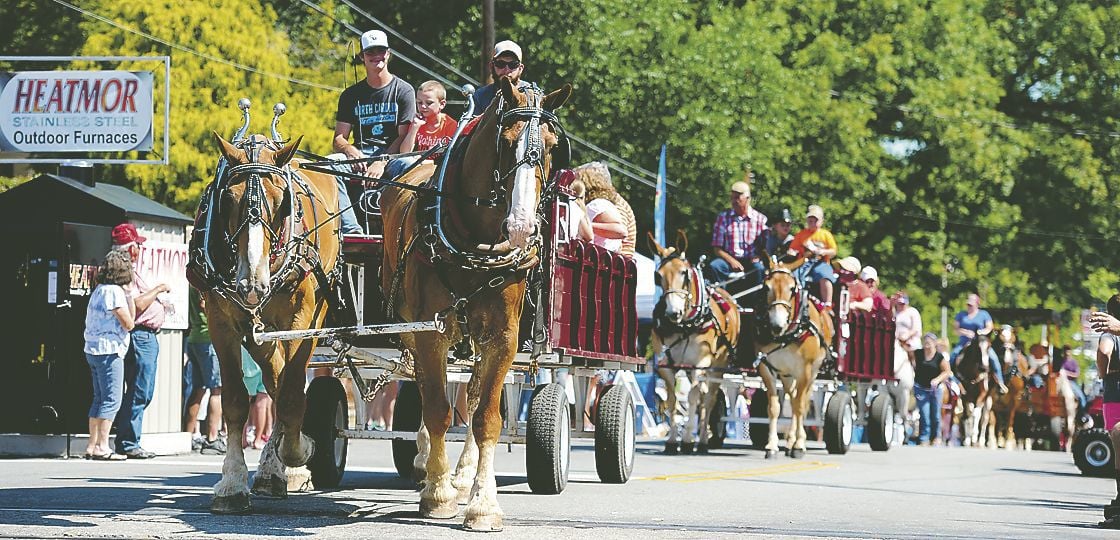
<point>327,414</point>
<point>406,417</point>
<point>548,440</point>
<point>880,424</point>
<point>759,433</point>
<point>838,421</point>
<point>1093,454</point>
<point>716,423</point>
<point>614,435</point>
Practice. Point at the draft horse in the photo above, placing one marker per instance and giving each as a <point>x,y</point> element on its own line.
<point>465,250</point>
<point>268,259</point>
<point>792,350</point>
<point>1006,408</point>
<point>976,384</point>
<point>695,327</point>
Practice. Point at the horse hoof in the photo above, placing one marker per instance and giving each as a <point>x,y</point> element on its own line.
<point>702,449</point>
<point>770,454</point>
<point>483,523</point>
<point>238,504</point>
<point>446,510</point>
<point>671,449</point>
<point>686,448</point>
<point>270,486</point>
<point>797,453</point>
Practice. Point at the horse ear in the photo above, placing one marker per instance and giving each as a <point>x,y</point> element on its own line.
<point>231,152</point>
<point>682,241</point>
<point>557,98</point>
<point>285,154</point>
<point>655,247</point>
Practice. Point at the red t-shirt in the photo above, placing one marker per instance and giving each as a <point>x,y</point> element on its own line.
<point>859,290</point>
<point>435,131</point>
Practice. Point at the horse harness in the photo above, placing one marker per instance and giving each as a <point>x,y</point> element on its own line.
<point>700,317</point>
<point>292,240</point>
<point>800,329</point>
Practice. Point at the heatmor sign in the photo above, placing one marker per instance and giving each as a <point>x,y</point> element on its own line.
<point>76,111</point>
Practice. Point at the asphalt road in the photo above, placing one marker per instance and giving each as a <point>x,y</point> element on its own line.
<point>908,492</point>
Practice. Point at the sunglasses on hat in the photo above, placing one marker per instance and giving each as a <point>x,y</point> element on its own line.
<point>502,64</point>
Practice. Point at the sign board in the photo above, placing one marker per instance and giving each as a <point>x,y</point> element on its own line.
<point>166,262</point>
<point>76,111</point>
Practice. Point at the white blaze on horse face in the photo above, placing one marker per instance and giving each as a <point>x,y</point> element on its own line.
<point>522,218</point>
<point>779,316</point>
<point>258,266</point>
<point>676,298</point>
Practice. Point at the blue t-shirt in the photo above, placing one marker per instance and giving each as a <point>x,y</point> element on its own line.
<point>974,323</point>
<point>104,333</point>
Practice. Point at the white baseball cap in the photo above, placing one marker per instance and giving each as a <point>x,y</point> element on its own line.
<point>869,272</point>
<point>374,38</point>
<point>507,46</point>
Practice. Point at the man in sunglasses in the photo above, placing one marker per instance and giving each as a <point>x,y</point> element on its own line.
<point>377,111</point>
<point>506,62</point>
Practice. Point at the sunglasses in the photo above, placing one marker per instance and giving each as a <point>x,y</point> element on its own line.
<point>501,64</point>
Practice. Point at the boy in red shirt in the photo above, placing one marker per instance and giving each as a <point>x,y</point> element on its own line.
<point>431,126</point>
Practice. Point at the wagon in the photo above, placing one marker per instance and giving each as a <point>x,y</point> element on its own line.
<point>580,316</point>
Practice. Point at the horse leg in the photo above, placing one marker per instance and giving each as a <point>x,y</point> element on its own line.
<point>773,410</point>
<point>423,450</point>
<point>467,467</point>
<point>670,379</point>
<point>438,498</point>
<point>231,493</point>
<point>800,404</point>
<point>707,401</point>
<point>690,417</point>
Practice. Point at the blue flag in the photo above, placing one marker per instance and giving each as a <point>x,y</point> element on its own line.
<point>659,203</point>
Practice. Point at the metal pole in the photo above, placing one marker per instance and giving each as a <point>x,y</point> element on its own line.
<point>944,322</point>
<point>487,40</point>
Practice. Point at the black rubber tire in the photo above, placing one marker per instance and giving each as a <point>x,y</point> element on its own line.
<point>719,428</point>
<point>548,440</point>
<point>1093,453</point>
<point>759,433</point>
<point>406,417</point>
<point>614,435</point>
<point>880,422</point>
<point>837,413</point>
<point>327,412</point>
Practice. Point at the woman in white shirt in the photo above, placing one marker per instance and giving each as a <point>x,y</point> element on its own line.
<point>109,318</point>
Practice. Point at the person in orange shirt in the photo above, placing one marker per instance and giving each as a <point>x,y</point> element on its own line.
<point>431,126</point>
<point>816,242</point>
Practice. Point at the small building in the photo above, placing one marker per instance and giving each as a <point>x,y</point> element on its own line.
<point>57,231</point>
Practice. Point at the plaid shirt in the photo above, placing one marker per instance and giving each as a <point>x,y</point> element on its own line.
<point>735,234</point>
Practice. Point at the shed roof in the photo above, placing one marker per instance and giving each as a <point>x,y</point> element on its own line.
<point>40,192</point>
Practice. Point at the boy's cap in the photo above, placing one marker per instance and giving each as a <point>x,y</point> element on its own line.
<point>374,38</point>
<point>785,216</point>
<point>126,233</point>
<point>849,264</point>
<point>507,46</point>
<point>741,187</point>
<point>869,272</point>
<point>815,211</point>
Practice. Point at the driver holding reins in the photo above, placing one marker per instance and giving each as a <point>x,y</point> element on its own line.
<point>968,324</point>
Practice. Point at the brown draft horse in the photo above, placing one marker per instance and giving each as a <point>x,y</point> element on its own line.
<point>795,354</point>
<point>976,382</point>
<point>276,247</point>
<point>1007,407</point>
<point>695,326</point>
<point>506,163</point>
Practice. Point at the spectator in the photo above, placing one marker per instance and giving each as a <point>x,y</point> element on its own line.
<point>109,318</point>
<point>258,430</point>
<point>143,350</point>
<point>869,298</point>
<point>776,239</point>
<point>1108,365</point>
<point>931,368</point>
<point>578,224</point>
<point>608,224</point>
<point>907,324</point>
<point>206,375</point>
<point>1071,370</point>
<point>507,61</point>
<point>431,127</point>
<point>378,112</point>
<point>817,243</point>
<point>967,324</point>
<point>734,235</point>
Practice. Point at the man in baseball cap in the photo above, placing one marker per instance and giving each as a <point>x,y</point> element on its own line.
<point>818,243</point>
<point>125,234</point>
<point>735,237</point>
<point>507,61</point>
<point>374,39</point>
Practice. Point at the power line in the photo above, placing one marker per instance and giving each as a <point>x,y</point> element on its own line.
<point>189,50</point>
<point>1021,230</point>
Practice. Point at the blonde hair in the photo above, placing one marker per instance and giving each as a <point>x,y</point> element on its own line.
<point>436,87</point>
<point>597,177</point>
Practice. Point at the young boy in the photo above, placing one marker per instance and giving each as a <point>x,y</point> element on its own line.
<point>431,127</point>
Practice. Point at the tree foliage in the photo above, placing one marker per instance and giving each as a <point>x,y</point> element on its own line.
<point>976,133</point>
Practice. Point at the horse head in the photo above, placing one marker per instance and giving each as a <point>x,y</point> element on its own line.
<point>526,131</point>
<point>783,293</point>
<point>974,356</point>
<point>681,284</point>
<point>255,199</point>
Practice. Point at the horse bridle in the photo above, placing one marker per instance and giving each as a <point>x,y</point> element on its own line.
<point>698,309</point>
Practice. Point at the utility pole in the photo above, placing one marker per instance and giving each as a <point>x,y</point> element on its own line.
<point>487,40</point>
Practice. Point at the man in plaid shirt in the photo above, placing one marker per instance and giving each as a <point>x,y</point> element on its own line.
<point>734,235</point>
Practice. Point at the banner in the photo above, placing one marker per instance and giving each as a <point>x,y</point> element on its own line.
<point>76,111</point>
<point>166,262</point>
<point>659,203</point>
